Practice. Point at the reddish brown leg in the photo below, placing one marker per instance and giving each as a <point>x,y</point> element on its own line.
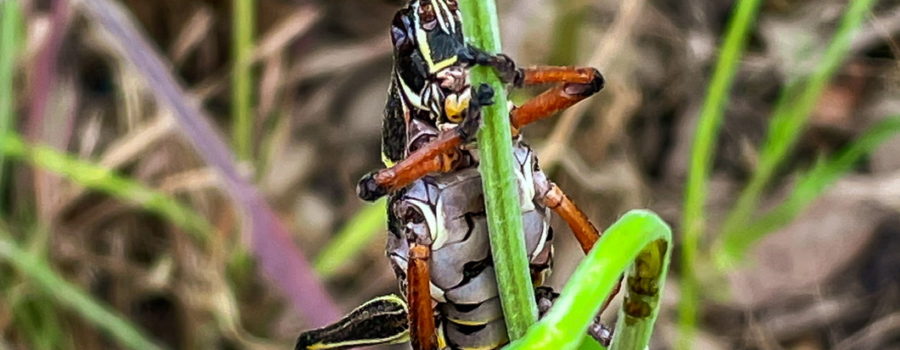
<point>585,232</point>
<point>434,156</point>
<point>576,85</point>
<point>581,226</point>
<point>418,295</point>
<point>439,154</point>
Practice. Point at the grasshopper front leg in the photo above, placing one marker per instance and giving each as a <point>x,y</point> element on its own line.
<point>431,158</point>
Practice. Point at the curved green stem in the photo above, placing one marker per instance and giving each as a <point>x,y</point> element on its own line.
<point>638,244</point>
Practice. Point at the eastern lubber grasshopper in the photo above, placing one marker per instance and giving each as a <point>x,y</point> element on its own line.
<point>438,243</point>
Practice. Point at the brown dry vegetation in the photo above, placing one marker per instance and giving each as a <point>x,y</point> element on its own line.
<point>828,280</point>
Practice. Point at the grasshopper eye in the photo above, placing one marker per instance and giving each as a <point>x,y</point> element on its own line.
<point>452,5</point>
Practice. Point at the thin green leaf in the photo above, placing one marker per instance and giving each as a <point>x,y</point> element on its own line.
<point>355,235</point>
<point>809,187</point>
<point>500,188</point>
<point>790,116</point>
<point>705,139</point>
<point>639,245</point>
<point>10,31</point>
<point>69,296</point>
<point>104,180</point>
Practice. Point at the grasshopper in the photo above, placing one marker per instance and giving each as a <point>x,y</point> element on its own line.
<point>438,243</point>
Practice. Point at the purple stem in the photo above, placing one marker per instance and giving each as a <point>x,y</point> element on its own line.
<point>45,69</point>
<point>280,259</point>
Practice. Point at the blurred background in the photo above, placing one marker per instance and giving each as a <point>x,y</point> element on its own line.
<point>126,223</point>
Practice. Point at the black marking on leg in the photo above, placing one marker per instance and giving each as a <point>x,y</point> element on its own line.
<point>544,296</point>
<point>600,332</point>
<point>483,96</point>
<point>503,64</point>
<point>595,85</point>
<point>368,190</point>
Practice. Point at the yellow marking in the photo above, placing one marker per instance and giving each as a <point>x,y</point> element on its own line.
<point>486,347</point>
<point>468,323</point>
<point>435,67</point>
<point>387,161</point>
<point>442,340</point>
<point>393,339</point>
<point>425,49</point>
<point>454,106</point>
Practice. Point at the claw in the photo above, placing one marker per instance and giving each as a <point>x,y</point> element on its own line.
<point>505,66</point>
<point>484,96</point>
<point>588,89</point>
<point>369,190</point>
<point>601,333</point>
<point>507,70</point>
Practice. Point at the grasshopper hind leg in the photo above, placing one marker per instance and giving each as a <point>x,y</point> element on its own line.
<point>382,320</point>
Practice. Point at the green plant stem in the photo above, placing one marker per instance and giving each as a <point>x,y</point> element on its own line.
<point>355,235</point>
<point>706,136</point>
<point>104,180</point>
<point>37,271</point>
<point>10,26</point>
<point>501,190</point>
<point>638,244</point>
<point>242,78</point>
<point>790,116</point>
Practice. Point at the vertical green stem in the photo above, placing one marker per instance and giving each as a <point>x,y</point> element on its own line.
<point>10,23</point>
<point>242,78</point>
<point>501,190</point>
<point>701,160</point>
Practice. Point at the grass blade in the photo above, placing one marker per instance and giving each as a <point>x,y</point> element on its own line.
<point>355,235</point>
<point>242,77</point>
<point>69,296</point>
<point>10,31</point>
<point>500,187</point>
<point>638,244</point>
<point>733,246</point>
<point>104,180</point>
<point>790,115</point>
<point>271,243</point>
<point>705,138</point>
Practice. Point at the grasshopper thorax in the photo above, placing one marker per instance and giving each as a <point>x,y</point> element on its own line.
<point>432,79</point>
